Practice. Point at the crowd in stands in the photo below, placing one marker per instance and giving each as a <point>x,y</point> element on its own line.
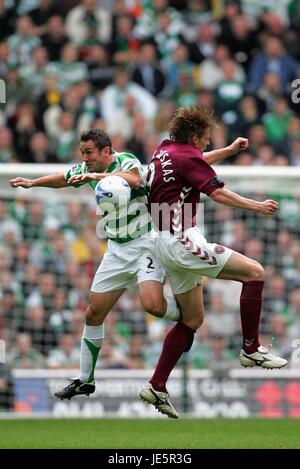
<point>76,64</point>
<point>125,66</point>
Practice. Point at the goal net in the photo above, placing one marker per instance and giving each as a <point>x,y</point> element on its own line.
<point>49,252</point>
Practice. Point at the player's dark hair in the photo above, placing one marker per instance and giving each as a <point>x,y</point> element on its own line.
<point>98,136</point>
<point>188,122</point>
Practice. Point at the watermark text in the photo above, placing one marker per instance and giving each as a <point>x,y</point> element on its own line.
<point>2,351</point>
<point>296,92</point>
<point>2,92</point>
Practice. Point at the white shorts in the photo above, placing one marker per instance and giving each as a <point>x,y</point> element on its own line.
<point>124,265</point>
<point>186,261</point>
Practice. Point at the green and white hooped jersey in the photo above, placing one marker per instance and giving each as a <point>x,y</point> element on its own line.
<point>133,221</point>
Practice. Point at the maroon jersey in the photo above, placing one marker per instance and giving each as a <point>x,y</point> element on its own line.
<point>177,175</point>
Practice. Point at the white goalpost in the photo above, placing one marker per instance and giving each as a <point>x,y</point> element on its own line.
<point>281,179</point>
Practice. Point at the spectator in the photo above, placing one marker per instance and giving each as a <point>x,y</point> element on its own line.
<point>40,149</point>
<point>4,57</point>
<point>196,13</point>
<point>88,19</point>
<point>23,42</point>
<point>54,38</point>
<point>274,59</point>
<point>181,65</point>
<point>279,333</point>
<point>221,322</point>
<point>65,355</point>
<point>293,315</point>
<point>270,90</point>
<point>7,150</point>
<point>17,92</point>
<point>211,68</point>
<point>124,47</point>
<point>61,314</point>
<point>148,22</point>
<point>72,102</point>
<point>241,39</point>
<point>277,122</point>
<point>40,15</point>
<point>135,353</point>
<point>25,125</point>
<point>264,155</point>
<point>167,36</point>
<point>68,70</point>
<point>276,296</point>
<point>228,94</point>
<point>34,74</point>
<point>295,152</point>
<point>23,355</point>
<point>36,325</point>
<point>247,116</point>
<point>64,144</point>
<point>101,71</point>
<point>114,96</point>
<point>147,73</point>
<point>6,20</point>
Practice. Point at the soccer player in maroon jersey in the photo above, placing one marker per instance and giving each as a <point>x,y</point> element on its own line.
<point>178,174</point>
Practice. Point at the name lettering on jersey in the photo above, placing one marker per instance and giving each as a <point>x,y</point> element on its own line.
<point>166,163</point>
<point>165,160</point>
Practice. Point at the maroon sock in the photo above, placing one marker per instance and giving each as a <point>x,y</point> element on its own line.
<point>250,303</point>
<point>176,342</point>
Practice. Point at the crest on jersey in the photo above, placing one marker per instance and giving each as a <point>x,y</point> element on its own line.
<point>219,249</point>
<point>215,180</point>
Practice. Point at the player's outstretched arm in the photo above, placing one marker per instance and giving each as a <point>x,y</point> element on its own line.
<point>225,197</point>
<point>216,156</point>
<point>55,181</point>
<point>132,176</point>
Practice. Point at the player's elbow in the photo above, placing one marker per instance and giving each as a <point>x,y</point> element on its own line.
<point>136,182</point>
<point>217,195</point>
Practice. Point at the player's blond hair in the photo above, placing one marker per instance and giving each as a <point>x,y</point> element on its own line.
<point>188,122</point>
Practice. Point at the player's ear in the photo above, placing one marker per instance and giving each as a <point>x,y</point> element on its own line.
<point>194,140</point>
<point>105,151</point>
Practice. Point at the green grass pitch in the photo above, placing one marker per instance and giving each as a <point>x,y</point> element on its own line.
<point>149,434</point>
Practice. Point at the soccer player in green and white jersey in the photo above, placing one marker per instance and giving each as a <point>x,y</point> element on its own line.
<point>129,257</point>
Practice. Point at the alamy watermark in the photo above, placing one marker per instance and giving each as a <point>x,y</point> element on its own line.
<point>295,357</point>
<point>2,351</point>
<point>134,219</point>
<point>2,92</point>
<point>296,92</point>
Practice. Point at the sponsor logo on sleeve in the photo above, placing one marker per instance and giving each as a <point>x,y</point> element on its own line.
<point>215,180</point>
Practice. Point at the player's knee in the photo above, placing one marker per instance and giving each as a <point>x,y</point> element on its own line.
<point>92,312</point>
<point>256,272</point>
<point>198,323</point>
<point>194,323</point>
<point>156,308</point>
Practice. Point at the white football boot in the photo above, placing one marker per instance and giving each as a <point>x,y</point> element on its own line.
<point>159,399</point>
<point>263,358</point>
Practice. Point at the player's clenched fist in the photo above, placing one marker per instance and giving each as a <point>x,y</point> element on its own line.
<point>21,182</point>
<point>269,207</point>
<point>239,143</point>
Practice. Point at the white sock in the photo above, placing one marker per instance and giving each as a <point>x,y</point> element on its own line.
<point>172,311</point>
<point>90,345</point>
